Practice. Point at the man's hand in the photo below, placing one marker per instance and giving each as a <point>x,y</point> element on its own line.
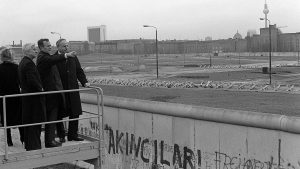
<point>87,85</point>
<point>71,54</point>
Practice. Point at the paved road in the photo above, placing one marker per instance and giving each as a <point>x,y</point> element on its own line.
<point>265,102</point>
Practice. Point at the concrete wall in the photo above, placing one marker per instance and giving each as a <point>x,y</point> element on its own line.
<point>125,47</point>
<point>289,42</point>
<point>82,47</point>
<point>274,54</point>
<point>103,47</point>
<point>146,134</point>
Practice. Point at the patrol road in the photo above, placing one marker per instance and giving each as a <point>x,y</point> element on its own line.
<point>265,102</point>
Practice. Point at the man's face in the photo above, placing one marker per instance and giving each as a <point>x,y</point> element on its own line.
<point>33,52</point>
<point>46,47</point>
<point>63,47</point>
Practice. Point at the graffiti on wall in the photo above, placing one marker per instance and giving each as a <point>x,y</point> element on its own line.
<point>153,152</point>
<point>126,150</point>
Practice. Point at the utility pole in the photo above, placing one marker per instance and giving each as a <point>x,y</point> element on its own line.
<point>270,50</point>
<point>297,46</point>
<point>156,47</point>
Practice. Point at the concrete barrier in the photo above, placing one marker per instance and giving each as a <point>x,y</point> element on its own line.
<point>249,54</point>
<point>148,134</point>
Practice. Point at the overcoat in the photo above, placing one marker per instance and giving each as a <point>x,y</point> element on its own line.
<point>46,65</point>
<point>71,72</point>
<point>33,107</point>
<point>9,84</point>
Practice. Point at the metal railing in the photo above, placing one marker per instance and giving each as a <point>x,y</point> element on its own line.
<point>98,91</point>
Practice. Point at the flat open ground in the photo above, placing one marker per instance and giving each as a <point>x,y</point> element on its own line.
<point>178,67</point>
<point>182,68</point>
<point>265,102</point>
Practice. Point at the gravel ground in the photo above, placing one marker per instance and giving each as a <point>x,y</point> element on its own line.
<point>265,102</point>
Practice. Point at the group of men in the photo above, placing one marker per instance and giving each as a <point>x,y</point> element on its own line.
<point>52,72</point>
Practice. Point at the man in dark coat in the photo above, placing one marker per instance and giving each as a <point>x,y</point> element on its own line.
<point>9,84</point>
<point>71,71</point>
<point>46,65</point>
<point>33,107</point>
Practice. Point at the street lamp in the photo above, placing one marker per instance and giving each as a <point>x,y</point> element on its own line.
<point>57,34</point>
<point>270,48</point>
<point>235,50</point>
<point>297,45</point>
<point>156,47</point>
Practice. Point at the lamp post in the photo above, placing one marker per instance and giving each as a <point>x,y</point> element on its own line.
<point>235,50</point>
<point>184,52</point>
<point>100,56</point>
<point>210,60</point>
<point>155,48</point>
<point>57,34</point>
<point>297,45</point>
<point>210,55</point>
<point>270,48</point>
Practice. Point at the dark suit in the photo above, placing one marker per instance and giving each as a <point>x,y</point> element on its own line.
<point>33,107</point>
<point>46,65</point>
<point>9,84</point>
<point>70,71</point>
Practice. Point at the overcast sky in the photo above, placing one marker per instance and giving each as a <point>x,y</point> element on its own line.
<point>30,20</point>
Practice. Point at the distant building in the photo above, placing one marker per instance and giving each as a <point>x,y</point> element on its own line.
<point>266,11</point>
<point>103,34</point>
<point>96,33</point>
<point>17,49</point>
<point>281,42</point>
<point>208,38</point>
<point>251,32</point>
<point>237,35</point>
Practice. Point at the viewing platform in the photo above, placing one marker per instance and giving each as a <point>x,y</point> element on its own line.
<point>16,157</point>
<point>70,151</point>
